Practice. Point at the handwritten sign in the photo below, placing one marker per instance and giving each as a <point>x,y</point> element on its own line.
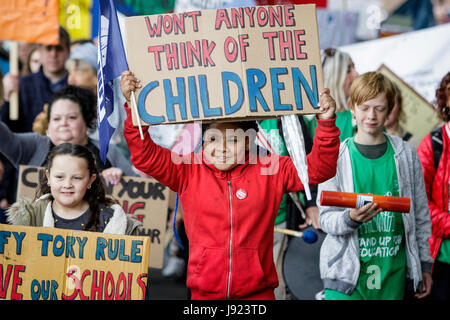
<point>29,181</point>
<point>57,264</point>
<point>233,64</point>
<point>145,199</point>
<point>420,116</point>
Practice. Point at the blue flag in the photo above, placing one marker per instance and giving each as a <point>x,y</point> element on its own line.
<point>111,63</point>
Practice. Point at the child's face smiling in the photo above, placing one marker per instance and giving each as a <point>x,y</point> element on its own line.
<point>69,178</point>
<point>224,145</point>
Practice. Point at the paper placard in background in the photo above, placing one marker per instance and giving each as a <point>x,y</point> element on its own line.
<point>420,116</point>
<point>146,200</point>
<point>34,21</point>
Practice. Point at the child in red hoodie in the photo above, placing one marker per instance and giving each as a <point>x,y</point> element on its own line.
<point>230,198</point>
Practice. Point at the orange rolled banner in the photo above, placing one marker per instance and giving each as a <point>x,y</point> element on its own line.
<point>357,200</point>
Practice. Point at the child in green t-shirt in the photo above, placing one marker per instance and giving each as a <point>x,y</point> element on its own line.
<point>371,254</point>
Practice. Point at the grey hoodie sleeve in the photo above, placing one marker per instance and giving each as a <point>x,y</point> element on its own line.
<point>19,148</point>
<point>118,160</point>
<point>333,220</point>
<point>422,215</point>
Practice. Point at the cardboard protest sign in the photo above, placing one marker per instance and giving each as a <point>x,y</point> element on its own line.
<point>144,199</point>
<point>30,21</point>
<point>234,63</point>
<point>29,178</point>
<point>420,116</point>
<point>57,264</point>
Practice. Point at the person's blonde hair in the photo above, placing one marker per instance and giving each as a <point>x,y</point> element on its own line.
<point>369,85</point>
<point>399,101</point>
<point>335,68</point>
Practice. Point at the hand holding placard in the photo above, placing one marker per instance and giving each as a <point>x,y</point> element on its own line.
<point>327,105</point>
<point>128,84</point>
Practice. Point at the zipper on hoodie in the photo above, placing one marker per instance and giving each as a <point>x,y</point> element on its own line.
<point>231,242</point>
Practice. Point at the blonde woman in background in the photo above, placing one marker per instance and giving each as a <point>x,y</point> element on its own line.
<point>338,74</point>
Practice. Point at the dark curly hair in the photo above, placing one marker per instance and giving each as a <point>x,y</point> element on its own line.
<point>85,98</point>
<point>95,195</point>
<point>244,125</point>
<point>441,99</point>
<point>249,127</point>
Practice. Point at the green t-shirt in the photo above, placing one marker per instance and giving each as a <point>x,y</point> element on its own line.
<point>343,122</point>
<point>381,241</point>
<point>276,141</point>
<point>444,249</point>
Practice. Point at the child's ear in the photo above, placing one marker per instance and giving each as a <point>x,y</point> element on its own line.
<point>349,105</point>
<point>47,174</point>
<point>249,142</point>
<point>351,108</point>
<point>91,180</point>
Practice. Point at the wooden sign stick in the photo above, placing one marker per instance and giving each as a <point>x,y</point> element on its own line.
<point>134,107</point>
<point>14,70</point>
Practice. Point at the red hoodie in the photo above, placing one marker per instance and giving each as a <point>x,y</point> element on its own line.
<point>437,186</point>
<point>229,215</point>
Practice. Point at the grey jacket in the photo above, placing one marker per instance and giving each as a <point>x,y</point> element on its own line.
<point>339,254</point>
<point>32,149</point>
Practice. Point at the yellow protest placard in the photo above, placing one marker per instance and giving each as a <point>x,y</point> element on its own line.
<point>75,16</point>
<point>57,264</point>
<point>145,199</point>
